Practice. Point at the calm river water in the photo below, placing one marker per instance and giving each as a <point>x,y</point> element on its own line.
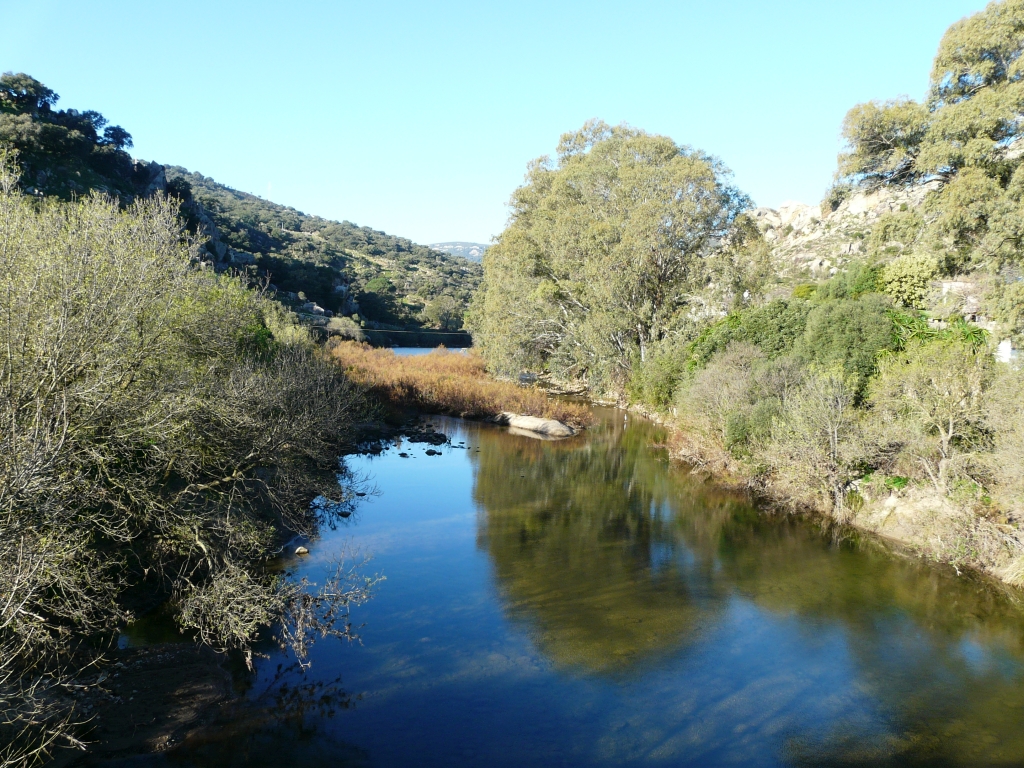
<point>582,603</point>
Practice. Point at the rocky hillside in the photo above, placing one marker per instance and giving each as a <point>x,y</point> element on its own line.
<point>470,251</point>
<point>809,244</point>
<point>318,266</point>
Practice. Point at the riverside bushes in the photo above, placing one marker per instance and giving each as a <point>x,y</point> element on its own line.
<point>927,422</point>
<point>161,428</point>
<point>447,382</point>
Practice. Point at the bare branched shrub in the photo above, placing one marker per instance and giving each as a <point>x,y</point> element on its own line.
<point>723,388</point>
<point>815,445</point>
<point>934,394</point>
<point>309,615</point>
<point>1004,417</point>
<point>159,424</point>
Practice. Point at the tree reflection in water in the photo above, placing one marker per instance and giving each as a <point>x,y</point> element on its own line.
<point>616,565</point>
<point>281,725</point>
<point>582,541</point>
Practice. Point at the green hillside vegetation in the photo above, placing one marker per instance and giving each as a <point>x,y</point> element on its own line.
<point>629,264</point>
<point>64,152</point>
<point>343,268</point>
<point>367,278</point>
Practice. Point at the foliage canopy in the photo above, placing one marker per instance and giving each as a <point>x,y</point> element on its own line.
<point>604,253</point>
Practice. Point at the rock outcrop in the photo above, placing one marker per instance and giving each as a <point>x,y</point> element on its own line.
<point>546,427</point>
<point>806,242</point>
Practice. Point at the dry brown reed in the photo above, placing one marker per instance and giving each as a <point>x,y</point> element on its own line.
<point>450,383</point>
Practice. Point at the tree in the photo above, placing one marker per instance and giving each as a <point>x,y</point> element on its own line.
<point>603,250</point>
<point>444,312</point>
<point>937,389</point>
<point>117,137</point>
<point>883,139</point>
<point>965,136</point>
<point>978,52</point>
<point>814,451</point>
<point>24,94</point>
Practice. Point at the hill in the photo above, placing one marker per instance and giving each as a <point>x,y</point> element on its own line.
<point>316,267</point>
<point>470,251</point>
<point>340,267</point>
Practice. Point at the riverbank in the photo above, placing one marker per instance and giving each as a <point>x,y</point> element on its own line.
<point>918,519</point>
<point>448,383</point>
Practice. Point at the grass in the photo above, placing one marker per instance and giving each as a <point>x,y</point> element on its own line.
<point>450,383</point>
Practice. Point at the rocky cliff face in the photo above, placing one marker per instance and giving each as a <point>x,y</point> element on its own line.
<point>807,243</point>
<point>470,251</point>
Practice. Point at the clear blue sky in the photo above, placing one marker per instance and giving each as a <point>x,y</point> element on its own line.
<point>419,118</point>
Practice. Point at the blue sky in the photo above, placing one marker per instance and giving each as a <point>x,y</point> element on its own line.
<point>419,118</point>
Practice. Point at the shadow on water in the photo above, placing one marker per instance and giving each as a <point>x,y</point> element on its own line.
<point>277,725</point>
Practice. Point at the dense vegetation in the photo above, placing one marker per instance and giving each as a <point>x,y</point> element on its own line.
<point>448,382</point>
<point>64,151</point>
<point>349,270</point>
<point>162,431</point>
<point>630,265</point>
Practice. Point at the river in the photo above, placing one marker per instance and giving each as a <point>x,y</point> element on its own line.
<point>584,603</point>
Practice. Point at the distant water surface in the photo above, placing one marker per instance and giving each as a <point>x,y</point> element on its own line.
<point>582,603</point>
<point>413,351</point>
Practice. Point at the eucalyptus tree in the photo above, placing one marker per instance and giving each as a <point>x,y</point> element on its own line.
<point>966,135</point>
<point>604,253</point>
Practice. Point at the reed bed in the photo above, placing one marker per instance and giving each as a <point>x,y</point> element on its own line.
<point>449,382</point>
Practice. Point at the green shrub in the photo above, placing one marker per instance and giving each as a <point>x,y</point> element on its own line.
<point>859,278</point>
<point>897,482</point>
<point>773,328</point>
<point>907,278</point>
<point>849,333</point>
<point>835,196</point>
<point>902,228</point>
<point>655,380</point>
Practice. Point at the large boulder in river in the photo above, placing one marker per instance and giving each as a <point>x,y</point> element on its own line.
<point>549,427</point>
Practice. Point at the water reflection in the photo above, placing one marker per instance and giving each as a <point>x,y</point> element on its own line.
<point>580,602</point>
<point>616,563</point>
<point>585,549</point>
<point>280,723</point>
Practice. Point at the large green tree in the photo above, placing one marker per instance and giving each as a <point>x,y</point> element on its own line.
<point>965,135</point>
<point>604,253</point>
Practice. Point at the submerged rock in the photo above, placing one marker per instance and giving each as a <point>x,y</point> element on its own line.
<point>433,438</point>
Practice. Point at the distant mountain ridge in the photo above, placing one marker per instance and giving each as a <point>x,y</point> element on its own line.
<point>469,251</point>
